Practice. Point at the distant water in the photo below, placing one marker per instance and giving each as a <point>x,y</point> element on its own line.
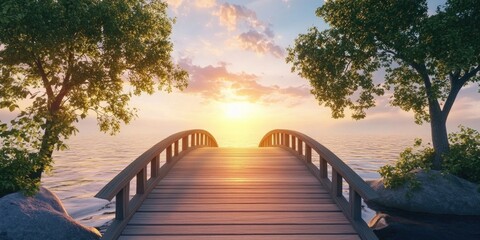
<point>93,160</point>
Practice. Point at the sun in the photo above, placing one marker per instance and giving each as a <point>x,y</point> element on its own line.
<point>238,110</point>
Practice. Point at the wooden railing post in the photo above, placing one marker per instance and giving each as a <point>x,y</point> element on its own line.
<point>154,166</point>
<point>169,154</point>
<point>355,204</point>
<point>300,146</point>
<point>176,148</point>
<point>323,168</point>
<point>141,181</point>
<point>287,138</point>
<point>121,203</point>
<point>336,183</point>
<point>294,140</point>
<point>308,153</point>
<point>184,143</point>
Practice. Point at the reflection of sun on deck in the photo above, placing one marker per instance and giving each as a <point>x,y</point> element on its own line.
<point>237,193</point>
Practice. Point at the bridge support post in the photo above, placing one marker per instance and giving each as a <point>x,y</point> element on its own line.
<point>121,203</point>
<point>141,181</point>
<point>323,168</point>
<point>176,148</point>
<point>308,153</point>
<point>300,146</point>
<point>336,183</point>
<point>184,143</point>
<point>169,154</point>
<point>355,204</point>
<point>154,166</point>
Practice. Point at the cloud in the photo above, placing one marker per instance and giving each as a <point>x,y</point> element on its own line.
<point>260,43</point>
<point>176,4</point>
<point>258,37</point>
<point>231,15</point>
<point>218,84</point>
<point>205,3</point>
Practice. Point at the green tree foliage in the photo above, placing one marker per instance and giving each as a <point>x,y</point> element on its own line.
<point>427,58</point>
<point>65,59</point>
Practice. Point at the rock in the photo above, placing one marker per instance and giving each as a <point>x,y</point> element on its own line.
<point>402,225</point>
<point>39,217</point>
<point>438,194</point>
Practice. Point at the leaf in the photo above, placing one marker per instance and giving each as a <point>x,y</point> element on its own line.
<point>12,108</point>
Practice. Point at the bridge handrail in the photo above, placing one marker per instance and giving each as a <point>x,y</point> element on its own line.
<point>301,145</point>
<point>176,146</point>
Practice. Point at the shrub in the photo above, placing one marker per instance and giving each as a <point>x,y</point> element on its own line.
<point>16,165</point>
<point>416,157</point>
<point>463,160</point>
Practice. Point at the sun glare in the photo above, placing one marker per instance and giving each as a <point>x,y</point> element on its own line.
<point>238,110</point>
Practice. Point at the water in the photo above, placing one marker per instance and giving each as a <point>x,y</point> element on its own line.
<point>94,159</point>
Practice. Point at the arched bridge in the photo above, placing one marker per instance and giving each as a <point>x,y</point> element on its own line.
<point>186,187</point>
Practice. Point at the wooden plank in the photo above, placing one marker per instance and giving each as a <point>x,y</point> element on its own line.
<point>208,190</point>
<point>176,207</point>
<point>246,237</point>
<point>238,196</point>
<point>239,184</point>
<point>237,229</point>
<point>239,218</point>
<point>236,201</point>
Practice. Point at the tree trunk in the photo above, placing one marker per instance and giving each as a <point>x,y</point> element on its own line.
<point>439,137</point>
<point>46,149</point>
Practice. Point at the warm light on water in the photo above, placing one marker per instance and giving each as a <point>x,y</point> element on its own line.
<point>93,160</point>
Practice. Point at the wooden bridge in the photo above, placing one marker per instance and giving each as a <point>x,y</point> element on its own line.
<point>273,192</point>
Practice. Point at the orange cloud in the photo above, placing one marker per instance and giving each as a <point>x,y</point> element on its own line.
<point>231,15</point>
<point>205,3</point>
<point>218,84</point>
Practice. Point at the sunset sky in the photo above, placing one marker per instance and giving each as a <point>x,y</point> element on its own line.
<point>241,87</point>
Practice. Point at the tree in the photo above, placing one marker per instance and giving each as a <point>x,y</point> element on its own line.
<point>64,59</point>
<point>427,58</point>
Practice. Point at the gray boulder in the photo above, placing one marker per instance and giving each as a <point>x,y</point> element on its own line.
<point>403,225</point>
<point>39,217</point>
<point>438,194</point>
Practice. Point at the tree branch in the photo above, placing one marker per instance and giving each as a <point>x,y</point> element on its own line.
<point>46,83</point>
<point>457,84</point>
<point>432,100</point>
<point>469,75</point>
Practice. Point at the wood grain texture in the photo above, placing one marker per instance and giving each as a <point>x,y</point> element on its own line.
<point>237,194</point>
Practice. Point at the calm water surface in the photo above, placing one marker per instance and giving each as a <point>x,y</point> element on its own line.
<point>94,159</point>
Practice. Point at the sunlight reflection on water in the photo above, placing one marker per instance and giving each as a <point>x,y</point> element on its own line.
<point>93,160</point>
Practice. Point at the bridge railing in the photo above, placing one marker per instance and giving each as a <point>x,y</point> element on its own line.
<point>173,147</point>
<point>301,146</point>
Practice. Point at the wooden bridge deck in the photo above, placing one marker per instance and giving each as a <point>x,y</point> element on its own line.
<point>239,193</point>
